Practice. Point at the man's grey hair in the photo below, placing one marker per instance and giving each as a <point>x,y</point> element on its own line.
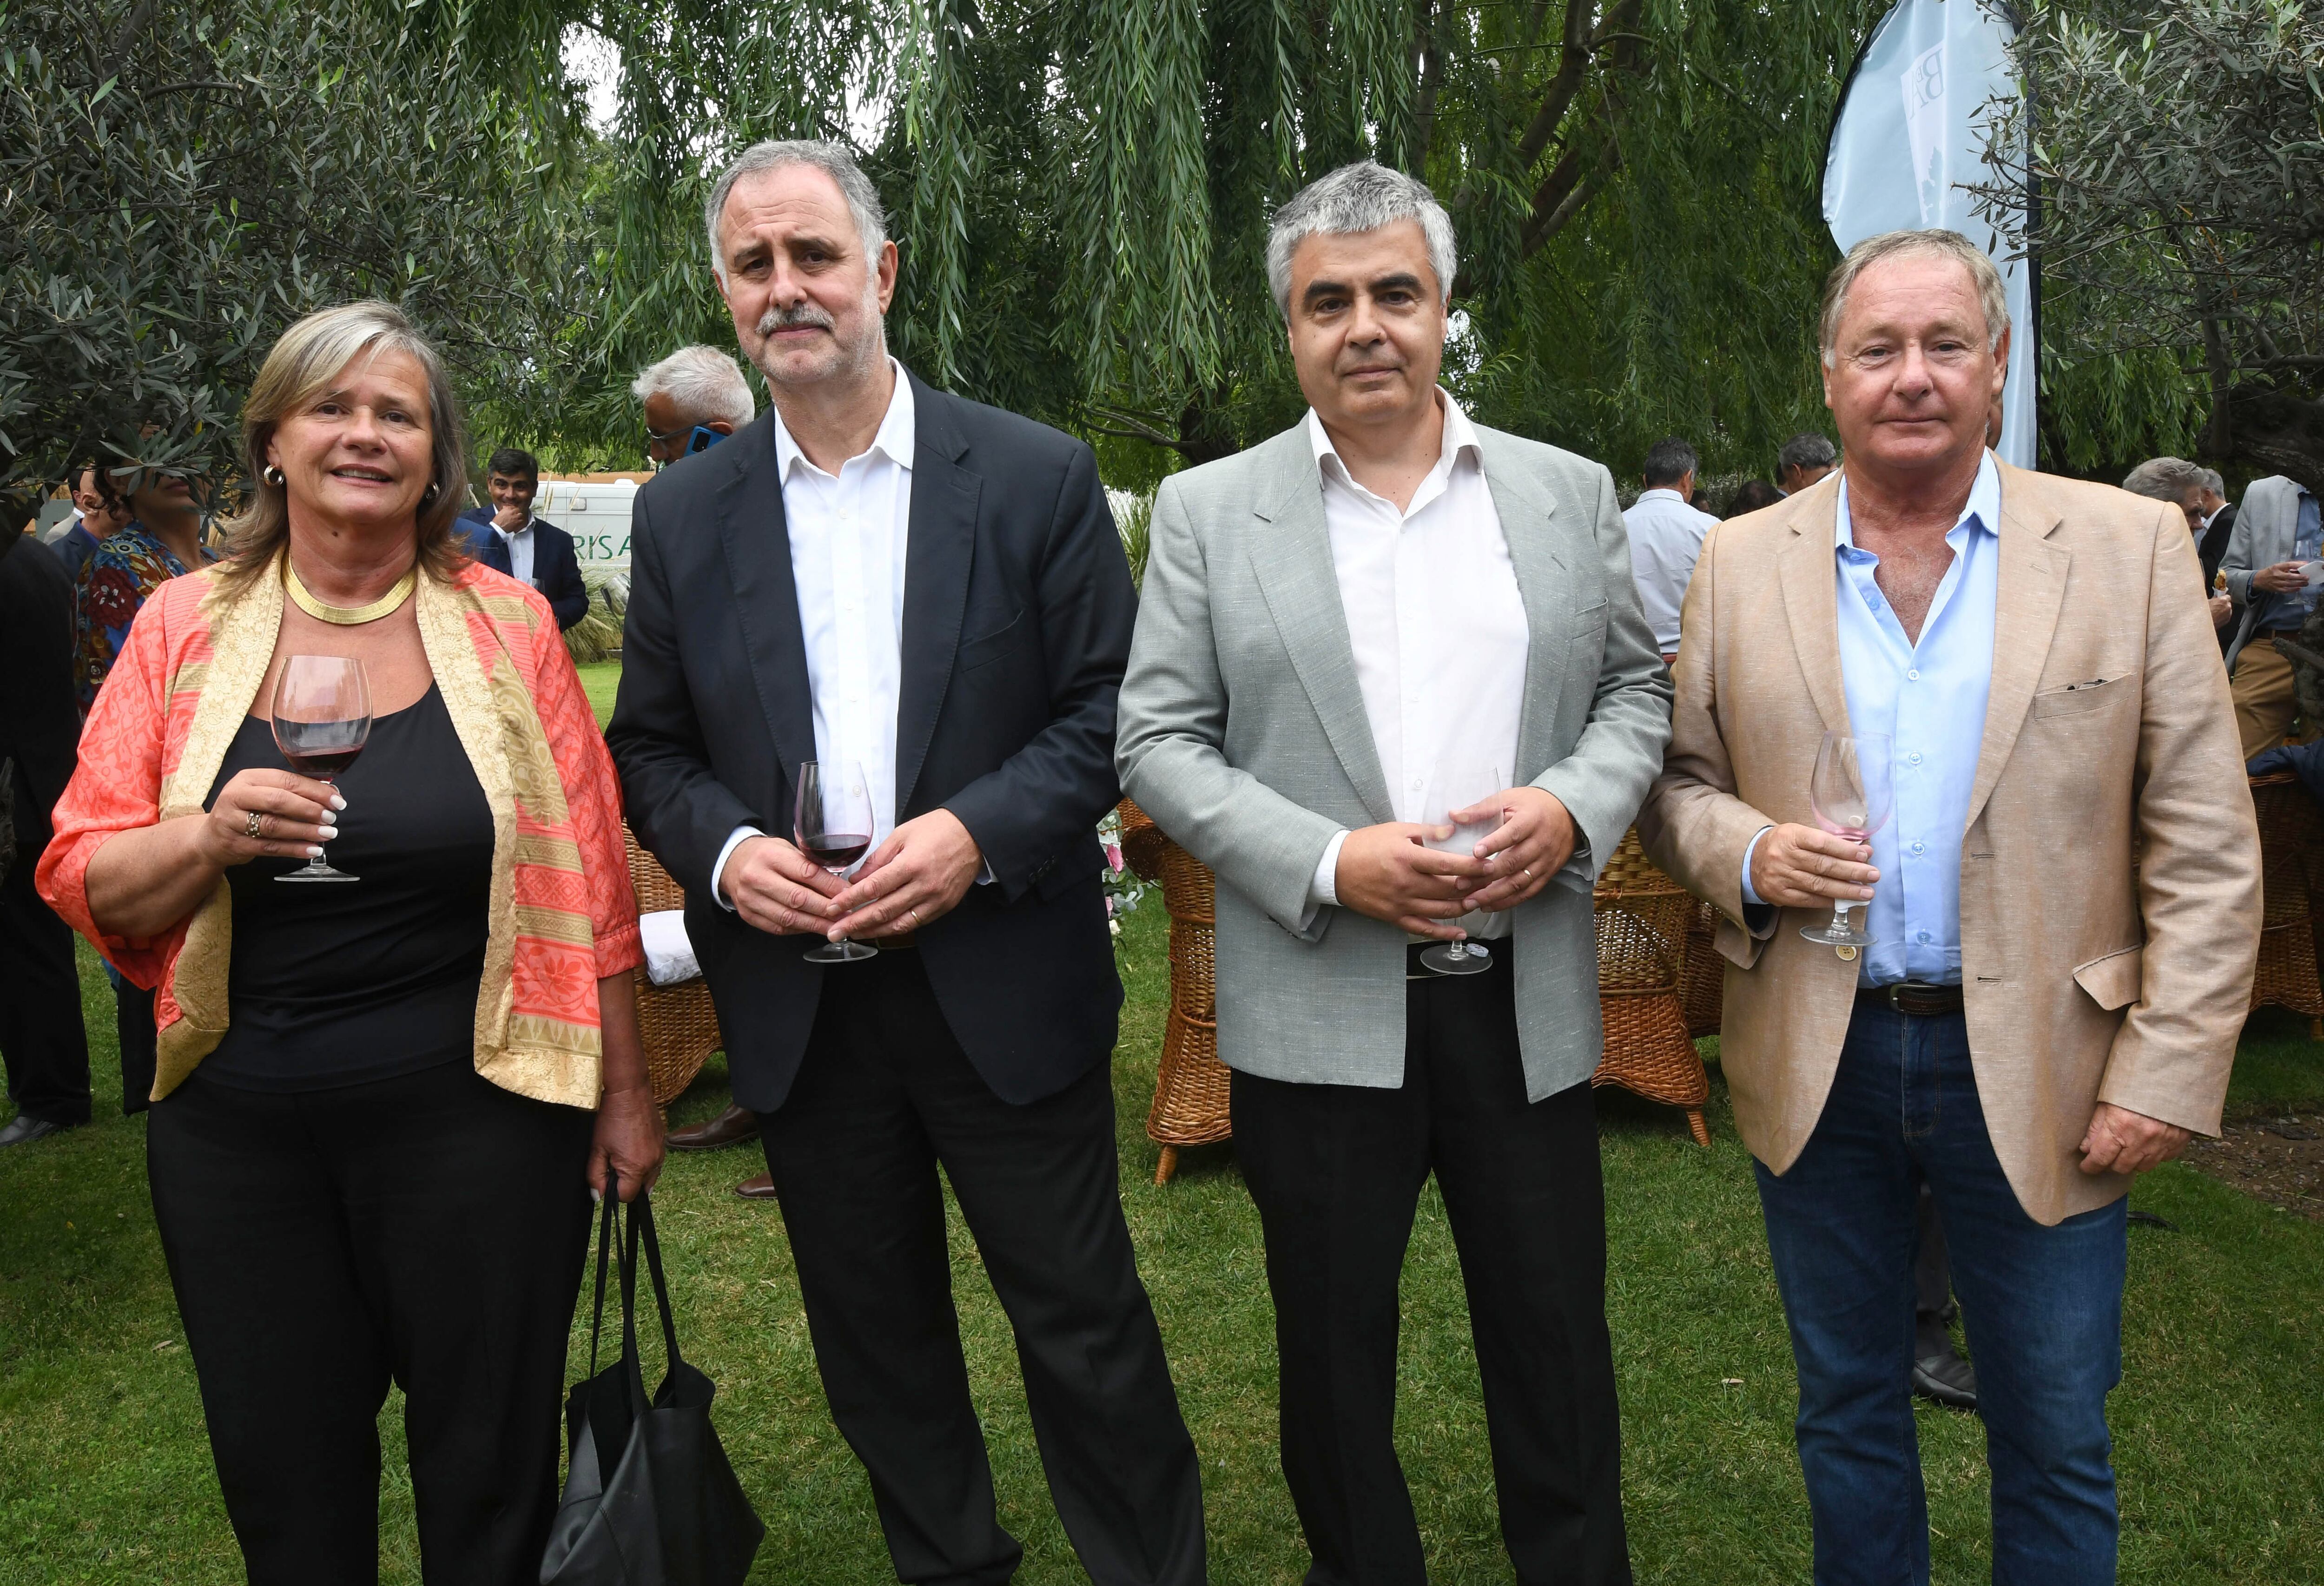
<point>1668,461</point>
<point>2171,479</point>
<point>1806,449</point>
<point>2214,483</point>
<point>1362,197</point>
<point>1935,243</point>
<point>703,382</point>
<point>832,159</point>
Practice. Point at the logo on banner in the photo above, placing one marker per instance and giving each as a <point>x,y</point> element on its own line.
<point>1923,83</point>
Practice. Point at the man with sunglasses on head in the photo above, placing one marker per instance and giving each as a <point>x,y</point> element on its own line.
<point>694,399</point>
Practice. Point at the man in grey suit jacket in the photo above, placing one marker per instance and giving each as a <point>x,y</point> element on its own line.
<point>2277,530</point>
<point>1373,626</point>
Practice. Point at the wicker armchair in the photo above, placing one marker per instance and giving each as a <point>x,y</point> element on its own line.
<point>1643,919</point>
<point>678,1025</point>
<point>2291,871</point>
<point>1703,985</point>
<point>1190,1092</point>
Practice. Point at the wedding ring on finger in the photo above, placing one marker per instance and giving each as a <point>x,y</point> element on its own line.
<point>254,825</point>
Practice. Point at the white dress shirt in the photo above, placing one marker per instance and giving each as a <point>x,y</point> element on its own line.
<point>519,548</point>
<point>1438,629</point>
<point>1665,542</point>
<point>848,534</point>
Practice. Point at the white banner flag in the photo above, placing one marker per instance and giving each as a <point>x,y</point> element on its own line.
<point>1907,144</point>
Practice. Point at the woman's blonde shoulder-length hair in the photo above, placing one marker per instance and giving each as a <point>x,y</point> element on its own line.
<point>303,365</point>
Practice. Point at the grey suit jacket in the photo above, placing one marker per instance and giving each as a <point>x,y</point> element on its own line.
<point>1242,732</point>
<point>2267,521</point>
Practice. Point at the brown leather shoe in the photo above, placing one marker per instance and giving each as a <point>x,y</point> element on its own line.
<point>761,1188</point>
<point>730,1127</point>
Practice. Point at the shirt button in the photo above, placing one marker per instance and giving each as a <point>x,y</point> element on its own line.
<point>1925,935</point>
<point>1915,757</point>
<point>1920,847</point>
<point>1914,675</point>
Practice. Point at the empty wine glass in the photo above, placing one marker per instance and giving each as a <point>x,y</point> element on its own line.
<point>322,719</point>
<point>1852,794</point>
<point>831,826</point>
<point>1457,787</point>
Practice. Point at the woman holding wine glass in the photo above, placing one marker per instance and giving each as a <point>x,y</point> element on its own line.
<point>380,1102</point>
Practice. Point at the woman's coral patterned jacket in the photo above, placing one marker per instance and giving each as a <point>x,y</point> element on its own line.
<point>562,912</point>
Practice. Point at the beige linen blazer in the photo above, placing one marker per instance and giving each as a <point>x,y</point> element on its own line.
<point>2110,876</point>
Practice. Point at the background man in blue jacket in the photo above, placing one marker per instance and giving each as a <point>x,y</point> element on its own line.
<point>530,549</point>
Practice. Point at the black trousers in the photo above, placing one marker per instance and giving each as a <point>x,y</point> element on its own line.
<point>133,1023</point>
<point>429,1229</point>
<point>883,1096</point>
<point>1933,1272</point>
<point>1336,1171</point>
<point>42,1041</point>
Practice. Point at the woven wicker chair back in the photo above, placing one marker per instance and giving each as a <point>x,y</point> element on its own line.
<point>679,1024</point>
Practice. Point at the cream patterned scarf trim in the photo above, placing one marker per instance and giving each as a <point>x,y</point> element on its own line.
<point>492,714</point>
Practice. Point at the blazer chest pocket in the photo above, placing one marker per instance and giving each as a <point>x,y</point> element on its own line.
<point>2078,698</point>
<point>990,647</point>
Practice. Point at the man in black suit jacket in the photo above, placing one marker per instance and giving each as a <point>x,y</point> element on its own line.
<point>878,573</point>
<point>41,1037</point>
<point>506,532</point>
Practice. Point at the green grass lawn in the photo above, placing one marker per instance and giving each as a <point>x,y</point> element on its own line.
<point>105,1475</point>
<point>600,680</point>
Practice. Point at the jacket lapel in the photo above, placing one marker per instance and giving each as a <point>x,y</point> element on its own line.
<point>758,548</point>
<point>1301,587</point>
<point>940,546</point>
<point>2033,588</point>
<point>1544,589</point>
<point>1811,601</point>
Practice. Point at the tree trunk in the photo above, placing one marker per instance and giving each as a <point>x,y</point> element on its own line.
<point>1204,435</point>
<point>2281,433</point>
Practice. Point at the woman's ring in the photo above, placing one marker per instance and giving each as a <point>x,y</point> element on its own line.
<point>252,825</point>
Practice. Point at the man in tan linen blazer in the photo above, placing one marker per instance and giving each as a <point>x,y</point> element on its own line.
<point>2108,910</point>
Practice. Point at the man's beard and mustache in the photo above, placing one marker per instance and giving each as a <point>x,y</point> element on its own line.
<point>845,354</point>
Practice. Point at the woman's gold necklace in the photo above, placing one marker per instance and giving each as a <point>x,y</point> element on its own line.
<point>348,616</point>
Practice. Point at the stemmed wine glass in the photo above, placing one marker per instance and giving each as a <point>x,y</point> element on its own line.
<point>322,719</point>
<point>1851,795</point>
<point>833,826</point>
<point>1458,787</point>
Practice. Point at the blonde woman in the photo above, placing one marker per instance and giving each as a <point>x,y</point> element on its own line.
<point>376,1105</point>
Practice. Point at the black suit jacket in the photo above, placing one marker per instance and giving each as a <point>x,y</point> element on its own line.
<point>2213,546</point>
<point>556,567</point>
<point>1017,609</point>
<point>40,724</point>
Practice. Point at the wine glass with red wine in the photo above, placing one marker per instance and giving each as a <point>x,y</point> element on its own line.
<point>1851,795</point>
<point>833,826</point>
<point>322,717</point>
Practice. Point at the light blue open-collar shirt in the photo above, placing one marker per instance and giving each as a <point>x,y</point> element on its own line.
<point>1929,699</point>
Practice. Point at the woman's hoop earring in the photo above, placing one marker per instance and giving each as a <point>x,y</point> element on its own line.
<point>272,475</point>
<point>428,496</point>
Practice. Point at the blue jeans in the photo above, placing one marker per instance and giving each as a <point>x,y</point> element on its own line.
<point>2043,1307</point>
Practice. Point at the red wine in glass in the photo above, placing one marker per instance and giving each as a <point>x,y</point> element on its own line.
<point>835,850</point>
<point>322,719</point>
<point>831,822</point>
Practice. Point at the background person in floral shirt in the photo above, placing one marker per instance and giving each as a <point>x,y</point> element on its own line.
<point>162,540</point>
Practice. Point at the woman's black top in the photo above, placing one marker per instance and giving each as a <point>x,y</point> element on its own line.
<point>335,983</point>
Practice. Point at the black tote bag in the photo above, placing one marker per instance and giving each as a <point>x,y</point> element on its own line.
<point>649,1498</point>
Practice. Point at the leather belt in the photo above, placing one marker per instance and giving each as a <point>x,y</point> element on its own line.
<point>1914,998</point>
